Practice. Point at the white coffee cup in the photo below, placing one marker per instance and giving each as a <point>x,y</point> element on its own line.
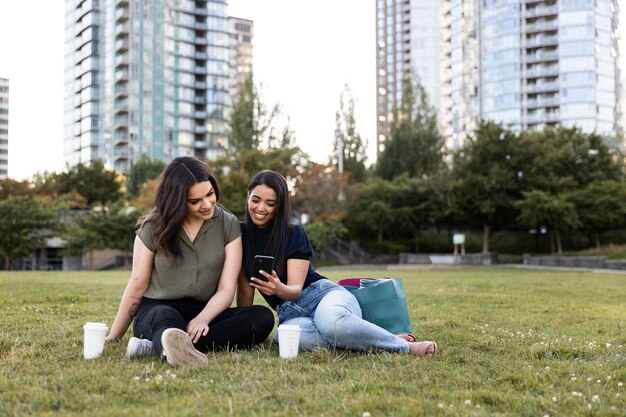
<point>95,334</point>
<point>288,340</point>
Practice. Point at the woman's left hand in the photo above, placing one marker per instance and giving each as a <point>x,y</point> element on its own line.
<point>268,288</point>
<point>197,328</point>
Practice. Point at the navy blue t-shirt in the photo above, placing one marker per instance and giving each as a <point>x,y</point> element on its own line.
<point>298,247</point>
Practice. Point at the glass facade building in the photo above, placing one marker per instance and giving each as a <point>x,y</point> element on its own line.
<point>144,78</point>
<point>525,63</point>
<point>4,128</point>
<point>407,42</point>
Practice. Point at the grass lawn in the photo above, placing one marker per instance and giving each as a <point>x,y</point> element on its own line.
<point>512,342</point>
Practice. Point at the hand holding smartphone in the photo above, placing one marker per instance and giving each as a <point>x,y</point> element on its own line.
<point>262,263</point>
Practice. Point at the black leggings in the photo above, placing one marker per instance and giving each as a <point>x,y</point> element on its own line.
<point>234,328</point>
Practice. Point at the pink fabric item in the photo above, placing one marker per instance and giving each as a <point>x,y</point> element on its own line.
<point>353,282</point>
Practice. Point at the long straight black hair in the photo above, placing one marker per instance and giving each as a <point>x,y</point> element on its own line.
<point>170,202</point>
<point>280,223</point>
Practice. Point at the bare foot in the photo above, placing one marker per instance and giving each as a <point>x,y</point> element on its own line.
<point>423,348</point>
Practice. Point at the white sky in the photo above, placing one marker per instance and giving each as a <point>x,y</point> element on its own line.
<point>304,54</point>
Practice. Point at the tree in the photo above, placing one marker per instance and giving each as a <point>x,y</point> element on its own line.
<point>486,178</point>
<point>234,174</point>
<point>539,208</point>
<point>9,186</point>
<point>106,228</point>
<point>319,193</point>
<point>414,145</point>
<point>143,170</point>
<point>370,210</point>
<point>25,225</point>
<point>601,206</point>
<point>348,144</point>
<point>250,120</point>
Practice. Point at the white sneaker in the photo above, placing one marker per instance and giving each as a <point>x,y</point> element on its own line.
<point>179,350</point>
<point>138,348</point>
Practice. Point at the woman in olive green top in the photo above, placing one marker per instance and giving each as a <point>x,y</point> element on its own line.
<point>186,261</point>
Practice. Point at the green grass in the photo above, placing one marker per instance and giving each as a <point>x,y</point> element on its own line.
<point>612,251</point>
<point>511,343</point>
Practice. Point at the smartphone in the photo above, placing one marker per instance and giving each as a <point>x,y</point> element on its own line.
<point>262,263</point>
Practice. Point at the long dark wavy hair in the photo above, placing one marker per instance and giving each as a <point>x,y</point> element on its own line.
<point>170,202</point>
<point>280,223</point>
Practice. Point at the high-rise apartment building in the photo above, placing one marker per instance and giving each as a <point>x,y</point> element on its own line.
<point>241,34</point>
<point>528,63</point>
<point>4,128</point>
<point>144,78</point>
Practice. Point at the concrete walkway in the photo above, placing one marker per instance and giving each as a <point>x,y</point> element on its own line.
<point>427,267</point>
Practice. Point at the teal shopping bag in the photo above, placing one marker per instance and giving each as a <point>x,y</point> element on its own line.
<point>382,302</point>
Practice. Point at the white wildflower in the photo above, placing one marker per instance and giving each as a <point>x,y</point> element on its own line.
<point>595,399</point>
<point>554,399</point>
<point>441,405</point>
<point>366,414</point>
<point>609,377</point>
<point>608,345</point>
<point>620,384</point>
<point>589,406</point>
<point>547,368</point>
<point>468,402</point>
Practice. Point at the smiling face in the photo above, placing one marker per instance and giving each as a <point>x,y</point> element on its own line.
<point>262,201</point>
<point>201,199</point>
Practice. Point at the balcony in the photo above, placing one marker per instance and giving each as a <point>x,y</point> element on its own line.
<point>121,15</point>
<point>541,41</point>
<point>121,45</point>
<point>542,87</point>
<point>121,75</point>
<point>542,11</point>
<point>121,90</point>
<point>200,129</point>
<point>120,138</point>
<point>539,26</point>
<point>540,71</point>
<point>121,61</point>
<point>543,117</point>
<point>121,154</point>
<point>543,102</point>
<point>541,57</point>
<point>122,28</point>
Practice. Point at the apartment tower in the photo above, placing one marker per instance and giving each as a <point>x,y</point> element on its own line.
<point>144,78</point>
<point>4,128</point>
<point>524,63</point>
<point>241,34</point>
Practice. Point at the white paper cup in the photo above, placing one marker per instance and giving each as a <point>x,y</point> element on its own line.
<point>95,333</point>
<point>288,340</point>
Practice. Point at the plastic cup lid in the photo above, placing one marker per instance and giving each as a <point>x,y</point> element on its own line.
<point>289,327</point>
<point>95,326</point>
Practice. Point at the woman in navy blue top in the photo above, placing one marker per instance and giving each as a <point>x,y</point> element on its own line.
<point>329,316</point>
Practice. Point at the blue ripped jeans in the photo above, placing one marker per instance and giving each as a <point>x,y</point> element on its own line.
<point>330,317</point>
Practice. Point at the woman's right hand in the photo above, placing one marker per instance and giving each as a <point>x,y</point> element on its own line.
<point>269,287</point>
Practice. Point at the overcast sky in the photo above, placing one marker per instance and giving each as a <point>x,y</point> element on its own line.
<point>304,54</point>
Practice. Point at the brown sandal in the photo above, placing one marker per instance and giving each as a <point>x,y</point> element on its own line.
<point>409,337</point>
